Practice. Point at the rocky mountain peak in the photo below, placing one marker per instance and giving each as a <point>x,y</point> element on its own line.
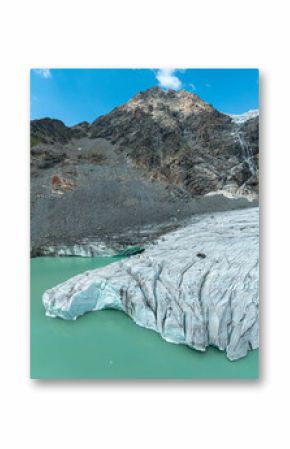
<point>174,137</point>
<point>155,101</point>
<point>52,131</point>
<point>178,138</point>
<point>47,130</point>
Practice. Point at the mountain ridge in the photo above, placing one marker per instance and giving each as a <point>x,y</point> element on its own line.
<point>251,113</point>
<point>149,161</point>
<point>175,136</point>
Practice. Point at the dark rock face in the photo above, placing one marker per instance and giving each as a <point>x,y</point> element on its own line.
<point>80,130</point>
<point>147,163</point>
<point>178,138</point>
<point>49,131</point>
<point>250,130</point>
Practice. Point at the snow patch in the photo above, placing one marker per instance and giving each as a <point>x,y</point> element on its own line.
<point>242,118</point>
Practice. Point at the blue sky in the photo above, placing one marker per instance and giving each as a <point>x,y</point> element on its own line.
<point>75,95</point>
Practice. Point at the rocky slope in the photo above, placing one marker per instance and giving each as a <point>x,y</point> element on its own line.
<point>196,286</point>
<point>148,163</point>
<point>177,137</point>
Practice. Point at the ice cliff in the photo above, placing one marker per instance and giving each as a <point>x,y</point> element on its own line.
<point>196,286</point>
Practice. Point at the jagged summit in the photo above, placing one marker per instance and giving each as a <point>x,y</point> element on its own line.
<point>156,110</point>
<point>50,131</point>
<point>176,137</point>
<point>178,102</point>
<point>179,138</point>
<point>157,92</point>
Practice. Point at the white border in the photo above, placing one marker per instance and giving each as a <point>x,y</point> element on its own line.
<point>144,34</point>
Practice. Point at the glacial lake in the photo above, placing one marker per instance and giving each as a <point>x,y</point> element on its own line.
<point>108,344</point>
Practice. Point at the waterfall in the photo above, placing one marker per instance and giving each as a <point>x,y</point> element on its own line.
<point>247,152</point>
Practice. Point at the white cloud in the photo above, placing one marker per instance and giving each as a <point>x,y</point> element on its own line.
<point>167,79</point>
<point>192,86</point>
<point>44,73</point>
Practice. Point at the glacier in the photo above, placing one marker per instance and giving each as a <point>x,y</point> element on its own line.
<point>242,118</point>
<point>198,285</point>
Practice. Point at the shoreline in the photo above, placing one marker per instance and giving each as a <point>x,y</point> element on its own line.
<point>109,345</point>
<point>197,286</point>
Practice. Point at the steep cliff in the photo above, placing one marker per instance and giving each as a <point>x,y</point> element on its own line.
<point>177,137</point>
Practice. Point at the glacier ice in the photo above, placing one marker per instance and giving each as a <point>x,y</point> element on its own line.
<point>242,118</point>
<point>197,286</point>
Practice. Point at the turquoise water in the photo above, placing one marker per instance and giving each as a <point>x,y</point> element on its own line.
<point>108,344</point>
